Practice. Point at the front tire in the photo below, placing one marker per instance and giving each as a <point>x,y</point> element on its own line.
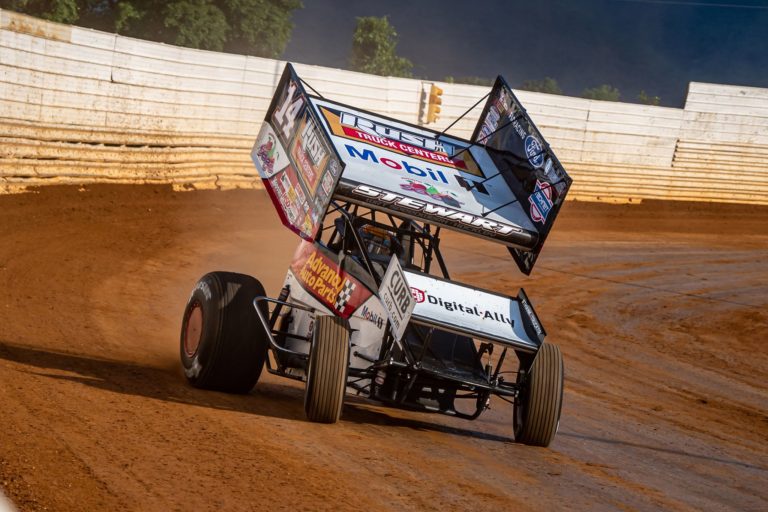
<point>223,344</point>
<point>327,370</point>
<point>537,408</point>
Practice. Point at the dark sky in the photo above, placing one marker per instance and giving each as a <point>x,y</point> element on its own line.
<point>656,45</point>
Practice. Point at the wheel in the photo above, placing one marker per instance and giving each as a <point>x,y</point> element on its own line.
<point>537,409</point>
<point>327,370</point>
<point>223,344</point>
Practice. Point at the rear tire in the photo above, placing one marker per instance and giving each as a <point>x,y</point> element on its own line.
<point>327,370</point>
<point>537,409</point>
<point>223,344</point>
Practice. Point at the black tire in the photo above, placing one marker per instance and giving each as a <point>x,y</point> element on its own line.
<point>327,370</point>
<point>223,344</point>
<point>537,409</point>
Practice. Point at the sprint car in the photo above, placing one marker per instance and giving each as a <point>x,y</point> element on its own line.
<point>368,306</point>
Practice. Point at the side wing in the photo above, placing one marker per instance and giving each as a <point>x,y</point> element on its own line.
<point>298,165</point>
<point>525,161</point>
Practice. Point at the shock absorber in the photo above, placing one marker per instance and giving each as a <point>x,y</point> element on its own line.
<point>279,307</point>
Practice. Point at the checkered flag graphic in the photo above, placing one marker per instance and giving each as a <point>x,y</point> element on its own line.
<point>344,295</point>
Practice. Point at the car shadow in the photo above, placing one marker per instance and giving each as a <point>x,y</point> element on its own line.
<point>267,399</point>
<point>167,385</point>
<point>359,410</point>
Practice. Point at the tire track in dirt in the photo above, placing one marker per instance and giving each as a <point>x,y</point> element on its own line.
<point>658,314</point>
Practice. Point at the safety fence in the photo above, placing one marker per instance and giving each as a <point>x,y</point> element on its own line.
<point>83,106</point>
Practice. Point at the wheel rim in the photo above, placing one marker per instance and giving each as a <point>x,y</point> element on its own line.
<point>193,330</point>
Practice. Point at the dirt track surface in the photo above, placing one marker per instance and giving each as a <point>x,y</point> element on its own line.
<point>660,310</point>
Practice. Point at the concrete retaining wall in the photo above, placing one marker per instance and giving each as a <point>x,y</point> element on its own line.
<point>82,106</point>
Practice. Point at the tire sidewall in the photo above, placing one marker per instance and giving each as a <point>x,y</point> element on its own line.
<point>204,292</point>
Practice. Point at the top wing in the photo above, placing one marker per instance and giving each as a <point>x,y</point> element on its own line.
<point>417,173</point>
<point>506,185</point>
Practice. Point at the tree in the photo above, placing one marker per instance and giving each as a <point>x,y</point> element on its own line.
<point>125,14</point>
<point>61,11</point>
<point>373,49</point>
<point>603,92</point>
<point>263,27</point>
<point>648,100</point>
<point>255,27</point>
<point>547,85</point>
<point>197,24</point>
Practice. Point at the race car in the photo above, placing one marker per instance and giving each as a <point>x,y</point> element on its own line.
<point>368,306</point>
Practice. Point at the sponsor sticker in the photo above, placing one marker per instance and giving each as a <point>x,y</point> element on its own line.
<point>497,113</point>
<point>443,214</point>
<point>464,309</point>
<point>532,317</point>
<point>421,147</point>
<point>268,154</point>
<point>432,192</point>
<point>321,277</point>
<point>309,152</point>
<point>292,199</point>
<point>434,174</point>
<point>534,151</point>
<point>395,296</point>
<point>449,305</point>
<point>327,184</point>
<point>549,169</point>
<point>541,201</point>
<point>334,167</point>
<point>375,318</point>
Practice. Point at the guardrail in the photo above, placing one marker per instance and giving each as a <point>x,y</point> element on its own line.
<point>83,106</point>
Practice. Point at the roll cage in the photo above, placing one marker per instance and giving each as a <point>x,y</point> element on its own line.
<point>429,363</point>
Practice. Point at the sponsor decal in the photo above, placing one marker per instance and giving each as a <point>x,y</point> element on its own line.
<point>442,214</point>
<point>534,151</point>
<point>357,128</point>
<point>549,169</point>
<point>327,183</point>
<point>497,111</point>
<point>427,189</point>
<point>519,130</point>
<point>452,305</point>
<point>541,201</point>
<point>403,165</point>
<point>395,296</point>
<point>321,277</point>
<point>309,153</point>
<point>268,153</point>
<point>334,167</point>
<point>292,199</point>
<point>534,321</point>
<point>373,317</point>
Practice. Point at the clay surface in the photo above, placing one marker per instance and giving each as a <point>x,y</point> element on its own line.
<point>660,310</point>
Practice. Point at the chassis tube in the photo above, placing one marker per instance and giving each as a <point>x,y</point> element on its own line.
<point>268,328</point>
